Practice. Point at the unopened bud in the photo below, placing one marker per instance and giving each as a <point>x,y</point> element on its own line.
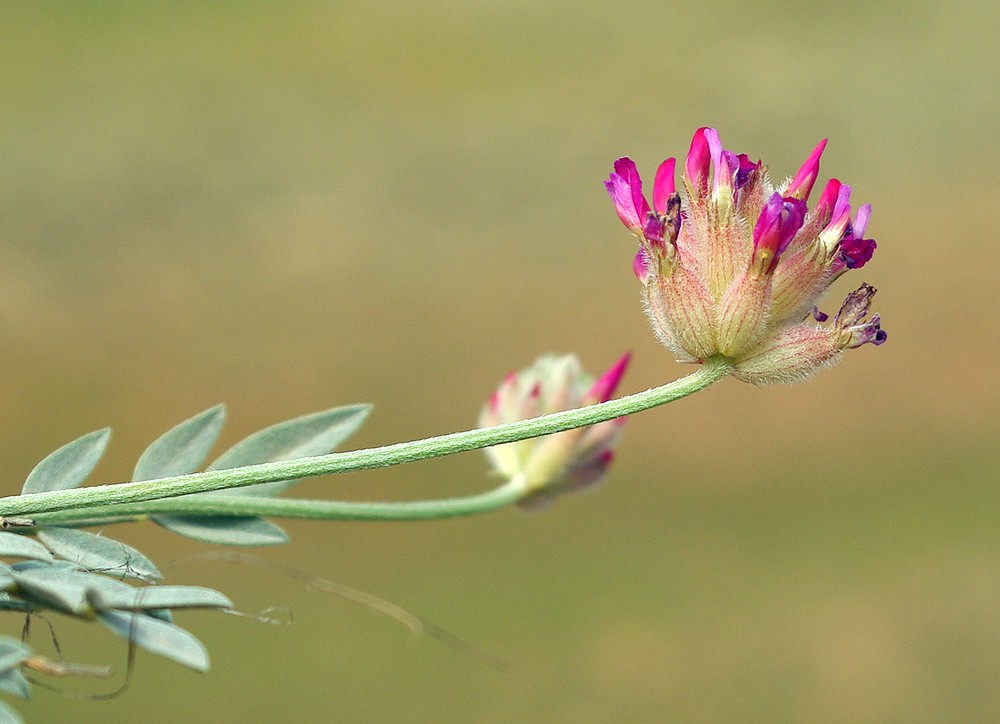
<point>563,461</point>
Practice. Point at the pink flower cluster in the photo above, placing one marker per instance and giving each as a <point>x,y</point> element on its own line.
<point>733,265</point>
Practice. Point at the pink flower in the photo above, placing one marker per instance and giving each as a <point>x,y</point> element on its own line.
<point>778,223</point>
<point>564,461</point>
<point>625,188</point>
<point>733,265</point>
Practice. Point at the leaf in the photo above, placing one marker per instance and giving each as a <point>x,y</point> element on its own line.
<point>13,545</point>
<point>9,716</point>
<point>12,653</point>
<point>182,449</point>
<point>6,577</point>
<point>32,565</point>
<point>56,588</point>
<point>315,434</point>
<point>68,466</point>
<point>13,604</point>
<point>222,530</point>
<point>12,681</point>
<point>155,597</point>
<point>15,683</point>
<point>158,637</point>
<point>97,553</point>
<point>69,591</point>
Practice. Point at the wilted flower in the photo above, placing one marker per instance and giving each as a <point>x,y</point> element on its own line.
<point>734,266</point>
<point>564,461</point>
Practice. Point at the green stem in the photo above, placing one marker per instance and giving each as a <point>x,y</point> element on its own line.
<point>240,506</point>
<point>121,493</point>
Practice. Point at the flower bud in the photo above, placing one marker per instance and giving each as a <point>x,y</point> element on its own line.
<point>563,461</point>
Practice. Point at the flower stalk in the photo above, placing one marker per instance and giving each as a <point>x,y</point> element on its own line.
<point>111,500</point>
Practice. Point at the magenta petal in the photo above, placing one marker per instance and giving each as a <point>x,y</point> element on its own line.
<point>621,196</point>
<point>625,188</point>
<point>640,266</point>
<point>696,165</point>
<point>746,171</point>
<point>604,386</point>
<point>824,209</point>
<point>653,229</point>
<point>840,219</point>
<point>714,145</point>
<point>779,221</point>
<point>663,185</point>
<point>725,164</point>
<point>843,205</point>
<point>801,186</point>
<point>625,167</point>
<point>857,252</point>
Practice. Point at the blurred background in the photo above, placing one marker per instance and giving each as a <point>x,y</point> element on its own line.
<point>292,206</point>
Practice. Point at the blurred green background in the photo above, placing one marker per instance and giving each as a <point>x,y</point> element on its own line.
<point>292,206</point>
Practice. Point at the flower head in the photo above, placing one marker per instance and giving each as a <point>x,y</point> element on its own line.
<point>734,265</point>
<point>564,461</point>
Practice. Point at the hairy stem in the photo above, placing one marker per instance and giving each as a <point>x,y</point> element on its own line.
<point>121,493</point>
<point>241,506</point>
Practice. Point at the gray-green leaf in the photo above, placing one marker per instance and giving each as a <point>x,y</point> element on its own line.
<point>315,434</point>
<point>69,591</point>
<point>12,653</point>
<point>68,466</point>
<point>12,681</point>
<point>158,637</point>
<point>182,449</point>
<point>6,577</point>
<point>97,553</point>
<point>13,545</point>
<point>9,716</point>
<point>15,683</point>
<point>221,530</point>
<point>145,598</point>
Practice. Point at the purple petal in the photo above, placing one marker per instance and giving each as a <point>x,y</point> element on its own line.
<point>746,171</point>
<point>857,252</point>
<point>779,221</point>
<point>864,215</point>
